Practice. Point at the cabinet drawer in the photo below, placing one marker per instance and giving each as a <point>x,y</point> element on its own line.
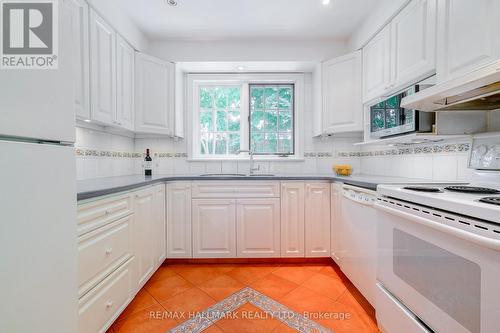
<point>95,214</point>
<point>99,308</point>
<point>236,189</point>
<point>101,251</point>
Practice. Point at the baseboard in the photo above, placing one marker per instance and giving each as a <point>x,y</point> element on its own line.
<point>317,261</point>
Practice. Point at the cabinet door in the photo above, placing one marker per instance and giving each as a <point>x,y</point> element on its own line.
<point>160,220</point>
<point>214,228</point>
<point>125,84</point>
<point>335,216</point>
<point>376,65</point>
<point>258,228</point>
<point>79,11</point>
<point>317,219</point>
<point>154,95</point>
<point>102,70</point>
<point>342,104</point>
<point>292,220</point>
<point>143,234</point>
<point>179,220</point>
<point>467,36</point>
<point>414,43</point>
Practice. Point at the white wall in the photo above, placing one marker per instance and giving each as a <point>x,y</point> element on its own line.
<point>382,14</point>
<point>178,51</point>
<point>116,16</point>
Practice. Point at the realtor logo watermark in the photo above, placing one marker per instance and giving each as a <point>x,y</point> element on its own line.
<point>29,34</point>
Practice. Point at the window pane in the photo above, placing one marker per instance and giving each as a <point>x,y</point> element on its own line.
<point>234,121</point>
<point>256,98</point>
<point>234,144</point>
<point>207,143</point>
<point>221,121</point>
<point>221,98</point>
<point>271,109</point>
<point>220,144</point>
<point>234,97</point>
<point>206,101</point>
<point>285,122</point>
<point>206,124</point>
<point>285,98</point>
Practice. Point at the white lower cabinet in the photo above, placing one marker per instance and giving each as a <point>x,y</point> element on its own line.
<point>258,228</point>
<point>292,219</point>
<point>179,241</point>
<point>103,304</point>
<point>317,219</point>
<point>214,228</point>
<point>144,233</point>
<point>160,219</point>
<point>335,216</point>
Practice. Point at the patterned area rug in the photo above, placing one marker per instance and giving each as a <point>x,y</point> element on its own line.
<point>273,309</point>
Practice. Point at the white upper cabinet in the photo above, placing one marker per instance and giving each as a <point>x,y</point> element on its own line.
<point>413,43</point>
<point>342,109</point>
<point>317,220</point>
<point>179,240</point>
<point>467,36</point>
<point>376,65</point>
<point>292,219</point>
<point>214,228</point>
<point>258,228</point>
<point>79,12</point>
<point>154,95</point>
<point>125,84</point>
<point>102,70</point>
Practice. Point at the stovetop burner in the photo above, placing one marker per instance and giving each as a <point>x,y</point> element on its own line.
<point>472,189</point>
<point>491,200</point>
<point>423,189</point>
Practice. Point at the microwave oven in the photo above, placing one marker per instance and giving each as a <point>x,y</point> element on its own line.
<point>388,118</point>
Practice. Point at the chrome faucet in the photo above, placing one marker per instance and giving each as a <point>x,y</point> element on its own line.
<point>250,153</point>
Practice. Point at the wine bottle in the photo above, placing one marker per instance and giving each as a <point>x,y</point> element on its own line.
<point>148,164</point>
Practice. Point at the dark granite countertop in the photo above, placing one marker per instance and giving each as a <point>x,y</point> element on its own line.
<point>96,187</point>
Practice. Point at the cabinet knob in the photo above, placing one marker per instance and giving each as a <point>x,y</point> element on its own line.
<point>109,251</point>
<point>109,304</point>
<point>107,212</point>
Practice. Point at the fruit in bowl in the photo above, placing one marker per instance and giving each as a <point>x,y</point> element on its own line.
<point>342,169</point>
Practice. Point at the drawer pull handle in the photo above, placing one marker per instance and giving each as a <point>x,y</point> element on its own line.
<point>109,304</point>
<point>109,251</point>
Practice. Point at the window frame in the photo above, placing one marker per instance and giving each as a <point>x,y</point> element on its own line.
<point>195,81</point>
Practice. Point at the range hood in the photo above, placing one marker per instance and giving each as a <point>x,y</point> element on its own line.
<point>478,90</point>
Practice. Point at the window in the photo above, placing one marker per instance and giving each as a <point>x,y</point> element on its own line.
<point>271,119</point>
<point>231,112</point>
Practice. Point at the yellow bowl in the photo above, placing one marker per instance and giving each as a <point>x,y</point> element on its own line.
<point>343,170</point>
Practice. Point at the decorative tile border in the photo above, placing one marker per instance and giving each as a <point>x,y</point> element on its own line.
<point>429,149</point>
<point>272,308</point>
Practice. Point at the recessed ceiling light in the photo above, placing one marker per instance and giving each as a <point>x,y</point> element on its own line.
<point>87,120</point>
<point>240,68</point>
<point>325,2</point>
<point>171,2</point>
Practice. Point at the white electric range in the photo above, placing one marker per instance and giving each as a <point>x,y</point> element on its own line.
<point>439,251</point>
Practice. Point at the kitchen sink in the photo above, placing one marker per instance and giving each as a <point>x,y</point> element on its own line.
<point>223,175</point>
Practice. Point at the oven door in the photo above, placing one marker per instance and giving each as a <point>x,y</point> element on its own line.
<point>450,283</point>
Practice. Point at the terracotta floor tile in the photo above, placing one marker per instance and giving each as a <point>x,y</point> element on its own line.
<point>190,301</point>
<point>363,308</point>
<point>326,285</point>
<point>226,268</point>
<point>248,274</point>
<point>304,299</point>
<point>162,273</point>
<point>142,322</point>
<point>296,274</point>
<point>213,329</point>
<point>274,286</point>
<point>142,300</point>
<point>350,322</point>
<point>221,287</point>
<point>283,328</point>
<point>248,319</point>
<point>199,274</point>
<point>163,289</point>
<point>110,330</point>
<point>331,271</point>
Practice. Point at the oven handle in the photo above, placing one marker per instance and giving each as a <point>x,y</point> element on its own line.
<point>479,240</point>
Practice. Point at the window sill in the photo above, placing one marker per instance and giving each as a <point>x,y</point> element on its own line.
<point>247,159</point>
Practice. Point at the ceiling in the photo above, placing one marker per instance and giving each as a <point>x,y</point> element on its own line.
<point>248,19</point>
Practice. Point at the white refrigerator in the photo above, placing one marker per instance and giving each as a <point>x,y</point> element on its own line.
<point>38,254</point>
